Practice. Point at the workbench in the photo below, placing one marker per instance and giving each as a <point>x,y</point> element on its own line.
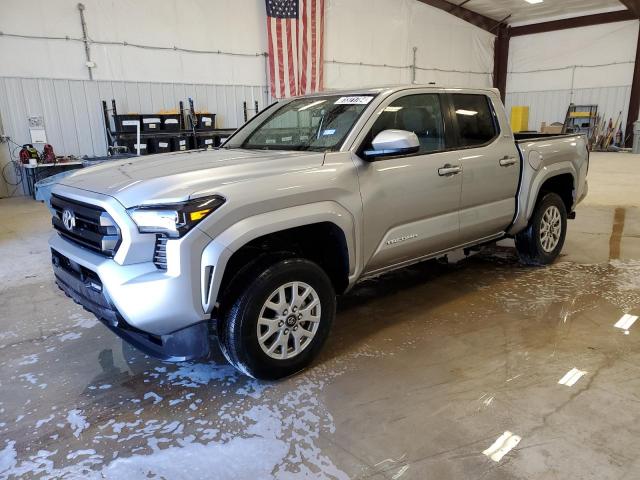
<point>33,173</point>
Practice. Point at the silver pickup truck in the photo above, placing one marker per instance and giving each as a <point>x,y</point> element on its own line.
<point>252,241</point>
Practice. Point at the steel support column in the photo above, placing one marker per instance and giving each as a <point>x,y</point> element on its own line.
<point>501,60</point>
<point>634,100</point>
<point>633,6</point>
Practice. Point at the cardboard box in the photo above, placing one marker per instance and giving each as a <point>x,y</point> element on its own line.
<point>553,129</point>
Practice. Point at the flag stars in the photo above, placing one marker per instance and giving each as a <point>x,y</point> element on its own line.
<point>282,8</point>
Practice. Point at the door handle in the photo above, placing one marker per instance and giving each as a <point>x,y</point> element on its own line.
<point>449,170</point>
<point>507,161</point>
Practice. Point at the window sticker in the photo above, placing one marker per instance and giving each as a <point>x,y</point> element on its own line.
<point>270,141</point>
<point>286,139</point>
<point>329,131</point>
<point>354,100</point>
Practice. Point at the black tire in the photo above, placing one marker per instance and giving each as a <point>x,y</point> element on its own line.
<point>238,324</point>
<point>529,241</point>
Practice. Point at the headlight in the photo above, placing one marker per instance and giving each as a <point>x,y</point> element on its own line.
<point>176,219</point>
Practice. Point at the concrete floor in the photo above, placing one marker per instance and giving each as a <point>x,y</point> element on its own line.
<point>425,368</point>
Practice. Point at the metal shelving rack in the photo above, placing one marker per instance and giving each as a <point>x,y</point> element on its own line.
<point>581,119</point>
<point>116,138</point>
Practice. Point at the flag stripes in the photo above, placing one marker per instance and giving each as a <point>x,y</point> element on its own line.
<point>295,31</point>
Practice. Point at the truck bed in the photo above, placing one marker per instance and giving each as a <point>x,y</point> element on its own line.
<point>545,156</point>
<point>533,136</point>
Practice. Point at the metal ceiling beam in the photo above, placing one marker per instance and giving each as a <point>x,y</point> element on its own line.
<point>633,6</point>
<point>480,21</point>
<point>575,22</point>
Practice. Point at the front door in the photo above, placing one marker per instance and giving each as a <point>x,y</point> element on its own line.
<point>411,202</point>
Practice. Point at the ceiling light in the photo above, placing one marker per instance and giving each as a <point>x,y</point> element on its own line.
<point>312,104</point>
<point>533,2</point>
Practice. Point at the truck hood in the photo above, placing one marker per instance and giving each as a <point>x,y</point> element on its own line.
<point>174,177</point>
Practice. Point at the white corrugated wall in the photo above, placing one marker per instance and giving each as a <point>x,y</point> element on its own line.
<point>47,76</point>
<point>551,105</point>
<point>72,109</point>
<point>589,65</point>
<point>370,42</point>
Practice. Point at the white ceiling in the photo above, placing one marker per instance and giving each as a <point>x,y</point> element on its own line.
<point>522,11</point>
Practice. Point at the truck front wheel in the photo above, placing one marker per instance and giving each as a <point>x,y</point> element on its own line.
<point>542,241</point>
<point>279,320</point>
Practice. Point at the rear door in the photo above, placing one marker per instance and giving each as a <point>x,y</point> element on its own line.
<point>410,202</point>
<point>490,165</point>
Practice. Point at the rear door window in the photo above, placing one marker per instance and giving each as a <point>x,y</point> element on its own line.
<point>476,122</point>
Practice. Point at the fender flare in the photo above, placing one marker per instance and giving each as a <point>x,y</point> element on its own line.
<point>526,205</point>
<point>217,254</point>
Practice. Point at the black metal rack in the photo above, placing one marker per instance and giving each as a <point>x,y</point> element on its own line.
<point>581,119</point>
<point>188,130</point>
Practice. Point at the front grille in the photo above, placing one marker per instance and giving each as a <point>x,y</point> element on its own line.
<point>92,228</point>
<point>160,252</point>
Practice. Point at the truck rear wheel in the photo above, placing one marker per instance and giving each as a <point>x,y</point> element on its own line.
<point>542,241</point>
<point>279,320</point>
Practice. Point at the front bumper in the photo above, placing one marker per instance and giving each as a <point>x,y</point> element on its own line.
<point>137,299</point>
<point>85,288</point>
<point>152,300</point>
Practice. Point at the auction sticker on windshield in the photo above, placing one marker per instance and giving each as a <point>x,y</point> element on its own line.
<point>355,100</point>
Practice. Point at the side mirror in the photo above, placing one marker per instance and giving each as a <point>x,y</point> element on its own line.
<point>393,142</point>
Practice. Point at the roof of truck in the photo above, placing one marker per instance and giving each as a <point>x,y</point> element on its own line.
<point>395,88</point>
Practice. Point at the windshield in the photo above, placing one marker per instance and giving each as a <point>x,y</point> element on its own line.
<point>313,123</point>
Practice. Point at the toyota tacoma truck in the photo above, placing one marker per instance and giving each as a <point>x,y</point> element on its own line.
<point>252,242</point>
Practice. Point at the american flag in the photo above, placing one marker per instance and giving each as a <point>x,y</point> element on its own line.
<point>295,30</point>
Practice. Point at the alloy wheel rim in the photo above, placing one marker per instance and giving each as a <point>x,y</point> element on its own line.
<point>289,320</point>
<point>550,228</point>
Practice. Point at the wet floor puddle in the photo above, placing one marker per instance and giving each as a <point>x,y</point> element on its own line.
<point>79,403</point>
